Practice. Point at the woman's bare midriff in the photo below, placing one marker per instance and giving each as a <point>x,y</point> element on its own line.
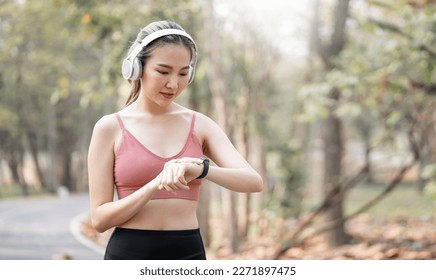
<point>165,214</point>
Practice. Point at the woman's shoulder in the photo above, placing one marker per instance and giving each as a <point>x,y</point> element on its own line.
<point>106,124</point>
<point>205,125</point>
<point>203,119</point>
<point>104,134</point>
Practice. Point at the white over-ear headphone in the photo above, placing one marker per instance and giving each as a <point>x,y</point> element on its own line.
<point>132,66</point>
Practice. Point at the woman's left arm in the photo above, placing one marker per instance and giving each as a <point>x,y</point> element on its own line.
<point>232,171</point>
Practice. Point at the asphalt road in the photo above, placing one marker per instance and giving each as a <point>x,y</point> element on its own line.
<point>45,228</point>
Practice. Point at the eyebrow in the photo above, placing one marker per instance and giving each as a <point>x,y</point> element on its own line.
<point>170,67</point>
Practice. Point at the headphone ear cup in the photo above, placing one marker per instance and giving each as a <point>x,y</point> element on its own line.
<point>126,68</point>
<point>136,69</point>
<point>192,65</point>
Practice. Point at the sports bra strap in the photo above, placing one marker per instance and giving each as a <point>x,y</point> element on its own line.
<point>120,121</point>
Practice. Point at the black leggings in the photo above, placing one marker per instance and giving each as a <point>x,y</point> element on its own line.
<point>138,244</point>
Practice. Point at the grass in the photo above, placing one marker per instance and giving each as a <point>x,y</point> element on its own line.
<point>12,190</point>
<point>405,200</point>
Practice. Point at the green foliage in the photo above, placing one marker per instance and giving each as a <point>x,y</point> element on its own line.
<point>314,102</point>
<point>383,70</point>
<point>285,165</point>
<point>63,71</point>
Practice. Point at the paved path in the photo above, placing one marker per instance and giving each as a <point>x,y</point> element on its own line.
<point>44,228</point>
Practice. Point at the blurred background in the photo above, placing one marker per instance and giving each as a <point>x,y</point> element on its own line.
<point>332,101</point>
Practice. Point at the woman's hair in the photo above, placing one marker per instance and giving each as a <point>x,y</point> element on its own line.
<point>159,42</point>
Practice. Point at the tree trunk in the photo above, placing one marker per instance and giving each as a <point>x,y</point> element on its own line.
<point>242,143</point>
<point>65,172</point>
<point>52,182</point>
<point>15,164</point>
<point>332,134</point>
<point>33,146</point>
<point>216,77</point>
<point>66,137</point>
<point>203,209</point>
<point>17,150</point>
<point>333,153</point>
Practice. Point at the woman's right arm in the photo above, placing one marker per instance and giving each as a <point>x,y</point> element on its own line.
<point>106,213</point>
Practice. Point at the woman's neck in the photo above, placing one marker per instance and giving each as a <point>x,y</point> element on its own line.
<point>146,106</point>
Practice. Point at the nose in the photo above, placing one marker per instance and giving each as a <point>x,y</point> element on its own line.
<point>173,82</point>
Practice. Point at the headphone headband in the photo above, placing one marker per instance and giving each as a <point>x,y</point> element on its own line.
<point>130,63</point>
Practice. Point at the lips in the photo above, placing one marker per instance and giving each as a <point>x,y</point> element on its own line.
<point>167,95</point>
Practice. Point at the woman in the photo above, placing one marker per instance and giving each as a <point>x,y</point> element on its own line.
<point>154,151</point>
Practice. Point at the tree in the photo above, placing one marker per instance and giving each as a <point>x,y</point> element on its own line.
<point>375,74</point>
<point>332,133</point>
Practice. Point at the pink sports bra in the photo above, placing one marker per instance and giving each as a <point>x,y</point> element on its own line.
<point>135,165</point>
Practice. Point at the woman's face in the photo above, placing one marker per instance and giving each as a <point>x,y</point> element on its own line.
<point>166,74</point>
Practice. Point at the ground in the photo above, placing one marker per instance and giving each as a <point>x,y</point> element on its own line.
<point>405,238</point>
<point>401,226</point>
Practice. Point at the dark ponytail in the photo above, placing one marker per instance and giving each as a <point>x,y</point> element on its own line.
<point>134,92</point>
